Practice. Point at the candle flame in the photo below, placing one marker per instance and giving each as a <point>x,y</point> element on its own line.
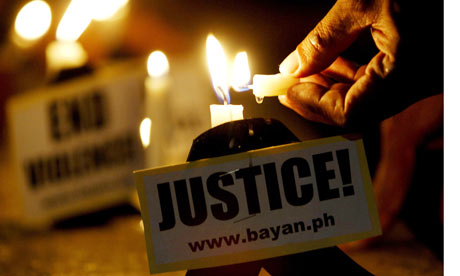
<point>33,20</point>
<point>157,64</point>
<point>144,131</point>
<point>80,13</point>
<point>217,66</point>
<point>75,20</point>
<point>141,225</point>
<point>241,75</point>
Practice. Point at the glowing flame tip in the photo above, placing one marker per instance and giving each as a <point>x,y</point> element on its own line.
<point>217,65</point>
<point>144,131</point>
<point>157,64</point>
<point>241,75</point>
<point>33,20</point>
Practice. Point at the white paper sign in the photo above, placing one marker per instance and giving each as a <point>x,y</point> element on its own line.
<point>76,144</point>
<point>259,204</point>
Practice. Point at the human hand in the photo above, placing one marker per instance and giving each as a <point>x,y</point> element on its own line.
<point>334,90</point>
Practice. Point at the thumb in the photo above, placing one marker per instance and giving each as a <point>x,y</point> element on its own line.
<point>333,34</point>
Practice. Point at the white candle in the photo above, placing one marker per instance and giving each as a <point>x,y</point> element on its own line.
<point>66,52</point>
<point>156,108</point>
<point>217,64</point>
<point>272,85</point>
<point>222,113</point>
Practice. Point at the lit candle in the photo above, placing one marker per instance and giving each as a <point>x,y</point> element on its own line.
<point>66,52</point>
<point>157,81</point>
<point>31,23</point>
<point>155,127</point>
<point>217,65</point>
<point>272,85</point>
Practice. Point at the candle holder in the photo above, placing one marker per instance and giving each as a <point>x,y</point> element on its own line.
<point>250,134</point>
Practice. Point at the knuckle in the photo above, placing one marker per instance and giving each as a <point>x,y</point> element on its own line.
<point>318,39</point>
<point>362,6</point>
<point>316,42</point>
<point>361,12</point>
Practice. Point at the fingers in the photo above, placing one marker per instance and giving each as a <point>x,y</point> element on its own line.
<point>342,70</point>
<point>330,96</point>
<point>317,102</point>
<point>319,79</point>
<point>333,34</point>
<point>321,99</point>
<point>385,31</point>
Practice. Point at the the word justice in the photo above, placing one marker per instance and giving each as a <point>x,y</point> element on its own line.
<point>296,194</point>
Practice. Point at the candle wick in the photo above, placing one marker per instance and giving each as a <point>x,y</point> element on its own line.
<point>222,93</point>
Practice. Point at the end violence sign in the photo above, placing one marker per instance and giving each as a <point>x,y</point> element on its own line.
<point>257,204</point>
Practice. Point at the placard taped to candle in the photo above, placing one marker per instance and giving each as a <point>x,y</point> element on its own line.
<point>257,204</point>
<point>75,144</point>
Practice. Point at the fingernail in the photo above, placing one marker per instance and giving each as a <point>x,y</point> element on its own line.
<point>290,64</point>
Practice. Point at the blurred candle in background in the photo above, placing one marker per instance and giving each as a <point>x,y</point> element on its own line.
<point>31,23</point>
<point>156,108</point>
<point>21,53</point>
<point>66,52</point>
<point>217,65</point>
